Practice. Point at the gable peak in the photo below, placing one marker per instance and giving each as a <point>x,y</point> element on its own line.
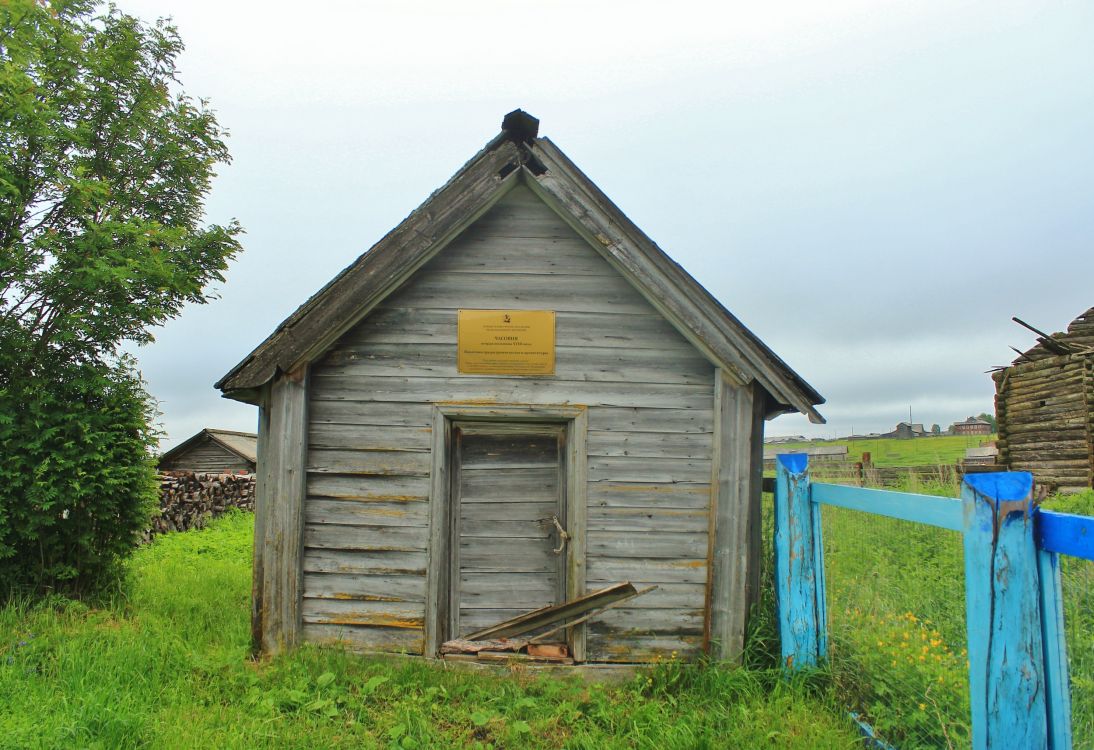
<point>520,126</point>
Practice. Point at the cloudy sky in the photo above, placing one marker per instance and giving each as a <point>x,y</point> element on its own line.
<point>874,188</point>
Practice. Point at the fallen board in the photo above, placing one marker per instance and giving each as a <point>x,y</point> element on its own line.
<point>544,616</point>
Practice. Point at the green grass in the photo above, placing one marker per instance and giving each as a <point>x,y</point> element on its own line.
<point>897,624</point>
<point>166,665</point>
<point>926,451</point>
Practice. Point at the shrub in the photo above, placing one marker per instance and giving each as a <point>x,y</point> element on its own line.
<point>77,483</point>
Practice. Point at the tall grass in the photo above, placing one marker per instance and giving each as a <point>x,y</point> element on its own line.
<point>165,664</point>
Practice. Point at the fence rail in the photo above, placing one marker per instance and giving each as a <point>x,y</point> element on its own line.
<point>1017,652</point>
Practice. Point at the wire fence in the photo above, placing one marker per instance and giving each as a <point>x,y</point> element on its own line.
<point>1077,577</point>
<point>896,625</point>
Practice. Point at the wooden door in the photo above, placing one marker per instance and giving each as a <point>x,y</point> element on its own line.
<point>508,555</point>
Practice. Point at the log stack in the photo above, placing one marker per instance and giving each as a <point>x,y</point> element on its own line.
<point>1044,405</point>
<point>189,500</point>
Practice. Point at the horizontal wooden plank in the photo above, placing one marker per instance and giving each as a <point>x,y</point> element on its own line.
<point>390,640</point>
<point>508,451</point>
<point>527,291</point>
<point>511,528</point>
<point>357,612</point>
<point>943,512</point>
<point>365,410</point>
<point>654,544</point>
<point>611,647</point>
<point>377,562</point>
<point>1066,534</point>
<point>646,520</point>
<point>648,469</point>
<point>553,256</point>
<point>607,364</point>
<point>380,588</point>
<point>526,485</point>
<point>605,329</point>
<point>660,420</point>
<point>381,489</point>
<point>649,495</point>
<point>326,511</point>
<point>648,571</point>
<point>506,555</point>
<point>368,463</point>
<point>473,513</point>
<point>511,389</point>
<point>521,590</point>
<point>369,437</point>
<point>366,538</point>
<point>697,445</point>
<point>634,621</point>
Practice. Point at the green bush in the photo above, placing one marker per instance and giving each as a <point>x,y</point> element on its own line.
<point>77,483</point>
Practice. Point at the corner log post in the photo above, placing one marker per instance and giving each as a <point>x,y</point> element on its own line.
<point>1003,613</point>
<point>735,542</point>
<point>279,514</point>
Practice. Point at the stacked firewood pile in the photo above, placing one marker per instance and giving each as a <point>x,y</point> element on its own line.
<point>188,500</point>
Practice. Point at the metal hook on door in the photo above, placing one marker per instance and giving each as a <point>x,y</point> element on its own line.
<point>563,537</point>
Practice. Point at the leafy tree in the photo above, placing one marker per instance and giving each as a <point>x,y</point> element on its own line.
<point>104,167</point>
<point>990,418</point>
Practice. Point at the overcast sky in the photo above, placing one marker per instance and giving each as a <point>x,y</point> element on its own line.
<point>873,188</point>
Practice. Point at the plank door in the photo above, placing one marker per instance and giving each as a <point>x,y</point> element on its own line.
<point>508,490</point>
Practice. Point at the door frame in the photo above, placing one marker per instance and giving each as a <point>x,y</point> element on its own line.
<point>574,420</point>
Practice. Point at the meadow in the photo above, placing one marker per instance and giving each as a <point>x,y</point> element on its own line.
<point>166,664</point>
<point>896,609</point>
<point>927,451</point>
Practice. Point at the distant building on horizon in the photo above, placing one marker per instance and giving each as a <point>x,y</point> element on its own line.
<point>780,439</point>
<point>214,451</point>
<point>971,426</point>
<point>907,430</point>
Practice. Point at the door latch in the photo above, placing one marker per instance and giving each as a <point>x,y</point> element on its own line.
<point>563,537</point>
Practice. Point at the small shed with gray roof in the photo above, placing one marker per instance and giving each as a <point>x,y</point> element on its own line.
<point>214,451</point>
<point>513,399</point>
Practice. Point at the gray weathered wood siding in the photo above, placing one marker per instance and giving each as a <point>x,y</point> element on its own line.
<point>208,457</point>
<point>650,398</point>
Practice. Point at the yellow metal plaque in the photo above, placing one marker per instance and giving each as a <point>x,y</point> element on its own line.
<point>505,342</point>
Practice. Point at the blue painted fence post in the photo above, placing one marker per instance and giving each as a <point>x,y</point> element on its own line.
<point>1003,613</point>
<point>799,566</point>
<point>1057,687</point>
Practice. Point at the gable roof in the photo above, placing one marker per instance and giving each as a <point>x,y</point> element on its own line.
<point>242,444</point>
<point>517,155</point>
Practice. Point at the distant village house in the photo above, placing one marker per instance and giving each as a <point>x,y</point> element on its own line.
<point>906,430</point>
<point>213,451</point>
<point>971,426</point>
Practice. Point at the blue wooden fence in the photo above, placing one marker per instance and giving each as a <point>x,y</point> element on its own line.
<point>1018,681</point>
